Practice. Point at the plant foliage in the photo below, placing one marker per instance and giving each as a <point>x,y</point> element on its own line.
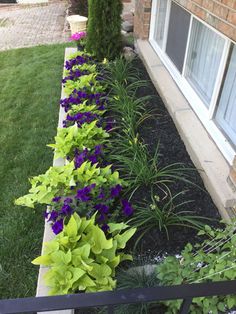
<point>104,28</point>
<point>82,259</point>
<point>211,260</point>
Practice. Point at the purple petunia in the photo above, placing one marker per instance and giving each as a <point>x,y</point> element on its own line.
<point>57,227</point>
<point>115,191</point>
<point>53,215</point>
<point>127,208</point>
<point>102,208</point>
<point>83,194</point>
<point>105,228</point>
<point>56,199</point>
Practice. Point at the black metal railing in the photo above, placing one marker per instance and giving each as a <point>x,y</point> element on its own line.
<point>111,298</point>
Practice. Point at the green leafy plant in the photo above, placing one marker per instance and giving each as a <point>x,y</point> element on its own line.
<point>64,180</point>
<point>104,28</point>
<point>163,215</point>
<point>82,259</point>
<point>211,260</point>
<point>71,138</point>
<point>90,68</point>
<point>141,169</point>
<point>85,81</point>
<point>84,107</point>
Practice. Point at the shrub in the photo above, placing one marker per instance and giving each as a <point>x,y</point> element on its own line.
<point>211,260</point>
<point>104,28</point>
<point>82,259</point>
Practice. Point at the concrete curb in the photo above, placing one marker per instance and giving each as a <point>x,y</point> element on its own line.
<point>42,290</point>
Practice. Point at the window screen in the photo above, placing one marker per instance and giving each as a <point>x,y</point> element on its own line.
<point>177,35</point>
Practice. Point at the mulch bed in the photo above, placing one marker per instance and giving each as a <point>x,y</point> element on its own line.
<point>161,131</point>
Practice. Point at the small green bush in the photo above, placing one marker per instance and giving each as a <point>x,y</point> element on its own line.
<point>104,28</point>
<point>211,260</point>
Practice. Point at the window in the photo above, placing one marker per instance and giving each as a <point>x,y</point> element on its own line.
<point>202,64</point>
<point>160,21</point>
<point>226,113</point>
<point>177,35</point>
<point>204,55</point>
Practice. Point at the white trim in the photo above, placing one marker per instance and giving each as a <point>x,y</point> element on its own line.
<point>204,114</point>
<point>219,78</point>
<point>187,45</point>
<point>167,20</point>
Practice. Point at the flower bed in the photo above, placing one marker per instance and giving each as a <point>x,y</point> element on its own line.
<point>118,178</point>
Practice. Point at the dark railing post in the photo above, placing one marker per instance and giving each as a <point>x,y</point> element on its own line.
<point>185,306</point>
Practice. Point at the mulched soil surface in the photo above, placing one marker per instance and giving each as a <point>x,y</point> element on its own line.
<point>161,130</point>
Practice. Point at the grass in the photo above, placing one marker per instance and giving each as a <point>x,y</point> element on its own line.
<point>29,98</point>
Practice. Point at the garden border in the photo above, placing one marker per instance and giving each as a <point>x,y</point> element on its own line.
<point>42,289</point>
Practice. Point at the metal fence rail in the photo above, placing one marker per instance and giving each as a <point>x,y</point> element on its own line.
<point>111,298</point>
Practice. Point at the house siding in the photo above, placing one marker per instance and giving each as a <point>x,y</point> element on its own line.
<point>220,14</point>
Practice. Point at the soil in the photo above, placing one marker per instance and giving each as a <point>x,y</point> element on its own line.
<point>161,130</point>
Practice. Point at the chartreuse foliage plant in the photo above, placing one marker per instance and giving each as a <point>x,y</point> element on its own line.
<point>214,259</point>
<point>89,82</point>
<point>86,67</point>
<point>104,28</point>
<point>84,107</point>
<point>71,138</point>
<point>82,259</point>
<point>65,180</point>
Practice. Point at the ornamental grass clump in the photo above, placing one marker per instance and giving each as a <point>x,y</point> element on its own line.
<point>104,38</point>
<point>82,258</point>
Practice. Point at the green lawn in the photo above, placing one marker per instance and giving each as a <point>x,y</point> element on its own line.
<point>29,103</point>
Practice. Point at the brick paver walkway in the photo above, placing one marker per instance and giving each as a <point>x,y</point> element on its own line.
<point>32,25</point>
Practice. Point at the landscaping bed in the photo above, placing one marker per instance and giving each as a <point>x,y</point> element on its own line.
<point>128,186</point>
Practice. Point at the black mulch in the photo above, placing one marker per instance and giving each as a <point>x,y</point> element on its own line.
<point>161,130</point>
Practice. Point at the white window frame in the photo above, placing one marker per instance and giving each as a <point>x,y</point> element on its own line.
<point>206,115</point>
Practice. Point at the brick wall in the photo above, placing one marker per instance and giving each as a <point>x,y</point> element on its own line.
<point>142,18</point>
<point>221,14</point>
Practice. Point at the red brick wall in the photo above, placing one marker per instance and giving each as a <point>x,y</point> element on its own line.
<point>221,14</point>
<point>142,18</point>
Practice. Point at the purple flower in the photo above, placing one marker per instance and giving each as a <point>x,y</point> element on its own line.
<point>83,194</point>
<point>102,208</point>
<point>98,150</point>
<point>57,227</point>
<point>53,215</point>
<point>127,208</point>
<point>101,195</point>
<point>68,200</point>
<point>66,210</point>
<point>56,199</point>
<point>105,228</point>
<point>115,191</point>
<point>45,214</point>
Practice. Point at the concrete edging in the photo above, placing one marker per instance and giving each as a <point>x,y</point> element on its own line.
<point>204,153</point>
<point>42,289</point>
